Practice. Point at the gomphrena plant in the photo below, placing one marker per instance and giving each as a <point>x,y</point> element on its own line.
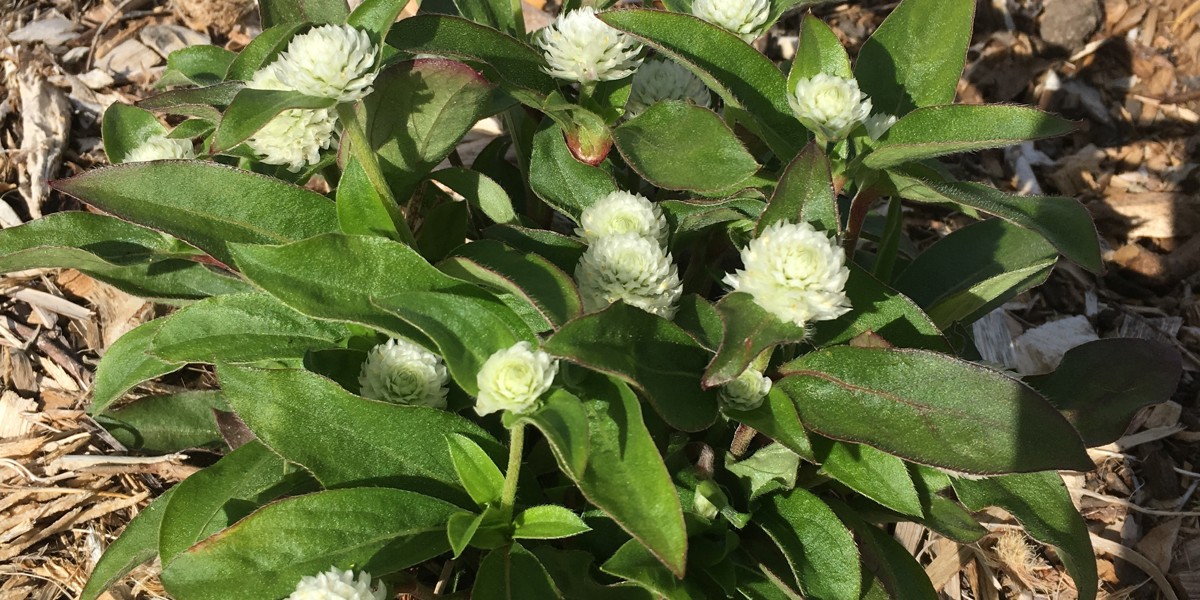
<point>656,341</point>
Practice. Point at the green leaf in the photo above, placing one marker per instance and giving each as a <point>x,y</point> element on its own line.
<point>201,103</point>
<point>1101,384</point>
<point>975,269</point>
<point>770,468</point>
<point>818,51</point>
<point>894,567</point>
<point>940,130</point>
<point>476,470</point>
<point>874,474</point>
<point>275,12</point>
<point>1042,504</point>
<point>361,210</point>
<point>484,194</point>
<point>222,205</point>
<point>881,310</point>
<point>377,530</point>
<point>443,230</point>
<point>242,328</point>
<point>192,129</point>
<point>262,50</point>
<point>460,529</point>
<point>134,259</point>
<point>901,66</point>
<point>804,193</point>
<point>777,419</point>
<point>346,440</point>
<point>126,364</point>
<point>167,423</point>
<point>817,546</point>
<point>202,64</point>
<point>564,422</point>
<point>559,179</point>
<point>125,128</point>
<point>679,146</point>
<point>495,13</point>
<point>738,73</point>
<point>698,317</point>
<point>548,522</point>
<point>649,352</point>
<point>418,113</point>
<point>545,287</point>
<point>941,514</point>
<point>924,406</point>
<point>559,249</point>
<point>252,109</point>
<point>465,330</point>
<point>513,573</point>
<point>376,16</point>
<point>1062,221</point>
<point>138,543</point>
<point>625,475</point>
<point>572,571</point>
<point>636,564</point>
<point>687,217</point>
<point>218,496</point>
<point>749,331</point>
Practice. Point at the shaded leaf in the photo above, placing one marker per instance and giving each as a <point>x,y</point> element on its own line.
<point>818,547</point>
<point>513,573</point>
<point>804,193</point>
<point>138,543</point>
<point>559,179</point>
<point>128,363</point>
<point>167,423</point>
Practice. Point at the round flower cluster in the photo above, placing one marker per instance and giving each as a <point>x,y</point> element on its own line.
<point>330,61</point>
<point>828,105</point>
<point>580,47</point>
<point>742,17</point>
<point>626,259</point>
<point>514,379</point>
<point>746,392</point>
<point>402,372</point>
<point>159,147</point>
<point>661,79</point>
<point>336,584</point>
<point>795,273</point>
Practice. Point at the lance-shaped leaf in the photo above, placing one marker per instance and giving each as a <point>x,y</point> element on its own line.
<point>559,179</point>
<point>1042,504</point>
<point>377,530</point>
<point>817,546</point>
<point>929,408</point>
<point>818,51</point>
<point>1100,385</point>
<point>572,571</point>
<point>362,210</point>
<point>738,73</point>
<point>777,419</point>
<point>138,543</point>
<point>262,50</point>
<point>559,249</point>
<point>313,422</point>
<point>749,331</point>
<point>513,573</point>
<point>548,522</point>
<point>649,352</point>
<point>895,568</point>
<point>376,16</point>
<point>219,205</point>
<point>276,12</point>
<point>564,421</point>
<point>218,496</point>
<point>690,217</point>
<point>901,66</point>
<point>417,114</point>
<point>202,103</point>
<point>804,193</point>
<point>545,287</point>
<point>202,64</point>
<point>128,363</point>
<point>633,562</point>
<point>883,311</point>
<point>484,194</point>
<point>477,471</point>
<point>680,146</point>
<point>874,474</point>
<point>167,423</point>
<point>252,109</point>
<point>125,128</point>
<point>134,259</point>
<point>940,130</point>
<point>242,328</point>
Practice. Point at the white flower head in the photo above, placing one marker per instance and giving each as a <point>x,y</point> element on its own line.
<point>878,124</point>
<point>742,17</point>
<point>746,392</point>
<point>578,46</point>
<point>330,61</point>
<point>402,372</point>
<point>295,137</point>
<point>829,105</point>
<point>632,268</point>
<point>620,213</point>
<point>160,147</point>
<point>514,379</point>
<point>336,584</point>
<point>661,79</point>
<point>794,272</point>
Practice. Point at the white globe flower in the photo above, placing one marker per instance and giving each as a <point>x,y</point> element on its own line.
<point>742,17</point>
<point>402,372</point>
<point>580,47</point>
<point>795,273</point>
<point>632,268</point>
<point>514,379</point>
<point>830,106</point>
<point>295,137</point>
<point>622,212</point>
<point>160,147</point>
<point>746,392</point>
<point>330,61</point>
<point>336,584</point>
<point>662,79</point>
<point>878,124</point>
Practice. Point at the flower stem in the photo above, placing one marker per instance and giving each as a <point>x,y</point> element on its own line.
<point>859,206</point>
<point>360,148</point>
<point>516,446</point>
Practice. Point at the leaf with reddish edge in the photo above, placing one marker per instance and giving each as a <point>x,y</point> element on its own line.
<point>804,194</point>
<point>749,331</point>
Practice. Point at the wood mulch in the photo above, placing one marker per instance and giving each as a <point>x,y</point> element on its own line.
<point>1128,70</point>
